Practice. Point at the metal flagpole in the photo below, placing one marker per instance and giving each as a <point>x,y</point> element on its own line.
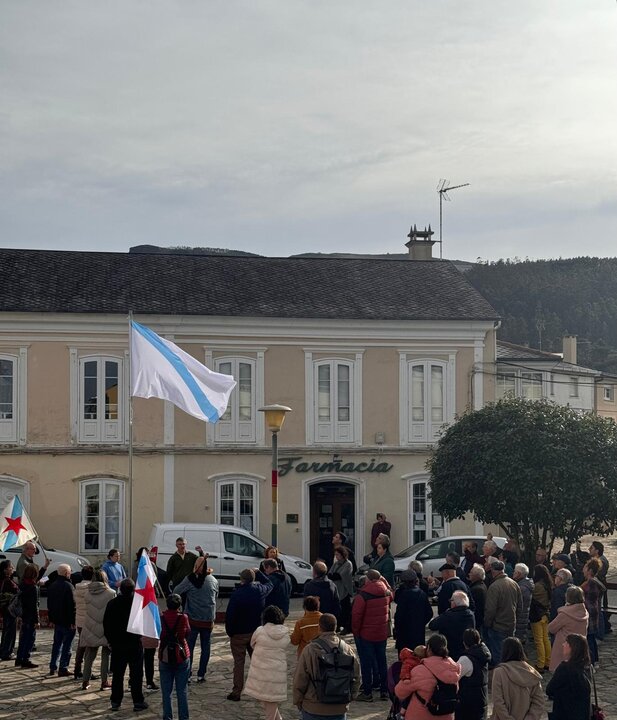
<point>130,508</point>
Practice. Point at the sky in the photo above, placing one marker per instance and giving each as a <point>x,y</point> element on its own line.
<point>288,126</point>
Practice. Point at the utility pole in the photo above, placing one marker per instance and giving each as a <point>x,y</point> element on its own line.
<point>442,189</point>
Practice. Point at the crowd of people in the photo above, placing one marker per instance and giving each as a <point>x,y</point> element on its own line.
<point>490,608</point>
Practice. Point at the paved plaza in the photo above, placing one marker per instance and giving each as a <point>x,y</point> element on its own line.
<point>30,695</point>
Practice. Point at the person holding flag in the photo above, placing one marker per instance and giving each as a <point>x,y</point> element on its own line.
<point>16,529</point>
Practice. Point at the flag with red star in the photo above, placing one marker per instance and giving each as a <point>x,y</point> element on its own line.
<point>145,618</point>
<point>15,525</point>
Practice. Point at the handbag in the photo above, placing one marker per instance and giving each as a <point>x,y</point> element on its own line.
<point>596,711</point>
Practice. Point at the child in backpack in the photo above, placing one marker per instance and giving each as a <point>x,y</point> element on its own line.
<point>174,657</point>
<point>307,627</point>
<point>411,658</point>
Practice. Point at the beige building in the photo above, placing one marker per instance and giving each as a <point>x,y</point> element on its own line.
<point>373,357</point>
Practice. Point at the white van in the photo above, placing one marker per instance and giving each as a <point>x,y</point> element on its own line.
<point>230,550</point>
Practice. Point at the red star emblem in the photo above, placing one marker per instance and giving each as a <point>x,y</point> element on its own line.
<point>14,524</point>
<point>147,593</point>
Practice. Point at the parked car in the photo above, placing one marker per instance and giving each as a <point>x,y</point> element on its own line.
<point>230,550</point>
<point>432,553</point>
<point>57,557</point>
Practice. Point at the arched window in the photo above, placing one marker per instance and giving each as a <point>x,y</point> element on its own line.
<point>101,525</point>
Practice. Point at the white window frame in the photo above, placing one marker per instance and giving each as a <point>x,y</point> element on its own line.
<point>526,380</point>
<point>499,382</point>
<point>234,430</point>
<point>608,393</point>
<point>523,378</point>
<point>237,480</point>
<point>412,481</point>
<point>425,432</point>
<point>102,482</point>
<point>13,430</point>
<point>334,431</point>
<point>573,389</point>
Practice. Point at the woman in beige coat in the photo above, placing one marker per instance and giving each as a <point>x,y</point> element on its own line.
<point>517,687</point>
<point>92,637</point>
<point>572,618</point>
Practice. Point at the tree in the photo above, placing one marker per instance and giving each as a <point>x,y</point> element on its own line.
<point>539,471</point>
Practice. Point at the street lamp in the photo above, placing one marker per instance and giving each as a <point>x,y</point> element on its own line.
<point>275,417</point>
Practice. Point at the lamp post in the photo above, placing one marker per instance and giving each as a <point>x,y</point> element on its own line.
<point>275,417</point>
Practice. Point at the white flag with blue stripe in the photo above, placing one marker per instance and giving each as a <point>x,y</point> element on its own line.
<point>160,369</point>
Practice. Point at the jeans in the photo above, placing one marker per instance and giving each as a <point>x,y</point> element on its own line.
<point>312,716</point>
<point>494,640</point>
<point>180,675</point>
<point>9,633</point>
<point>371,653</point>
<point>63,639</point>
<point>134,658</point>
<point>539,630</point>
<point>204,640</point>
<point>27,636</point>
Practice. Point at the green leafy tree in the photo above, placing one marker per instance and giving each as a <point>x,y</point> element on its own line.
<point>539,471</point>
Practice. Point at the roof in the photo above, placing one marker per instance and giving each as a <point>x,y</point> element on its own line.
<point>337,288</point>
<point>507,352</point>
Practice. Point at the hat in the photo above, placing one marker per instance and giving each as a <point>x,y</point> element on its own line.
<point>563,558</point>
<point>447,566</point>
<point>409,576</point>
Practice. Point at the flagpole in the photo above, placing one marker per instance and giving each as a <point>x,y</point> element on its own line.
<point>129,544</point>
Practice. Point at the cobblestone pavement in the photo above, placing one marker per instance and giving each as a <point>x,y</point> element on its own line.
<point>30,695</point>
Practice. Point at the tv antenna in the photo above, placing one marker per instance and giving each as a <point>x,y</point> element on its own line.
<point>443,189</point>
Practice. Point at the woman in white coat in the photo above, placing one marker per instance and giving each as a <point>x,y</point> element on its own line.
<point>267,678</point>
<point>92,637</point>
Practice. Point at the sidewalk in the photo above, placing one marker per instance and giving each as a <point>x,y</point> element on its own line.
<point>30,695</point>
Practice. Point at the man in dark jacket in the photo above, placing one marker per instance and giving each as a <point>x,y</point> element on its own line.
<point>325,589</point>
<point>450,584</point>
<point>380,527</point>
<point>61,609</point>
<point>281,585</point>
<point>477,589</point>
<point>126,648</point>
<point>563,581</point>
<point>242,618</point>
<point>473,685</point>
<point>453,623</point>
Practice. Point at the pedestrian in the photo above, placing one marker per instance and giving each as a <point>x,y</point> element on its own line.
<point>92,637</point>
<point>29,593</point>
<point>561,561</point>
<point>272,553</point>
<point>80,614</point>
<point>281,585</point>
<point>126,648</point>
<point>381,526</point>
<point>473,685</point>
<point>242,618</point>
<point>477,590</point>
<point>381,538</point>
<point>455,559</point>
<point>538,616</point>
<point>308,673</point>
<point>384,562</point>
<point>341,574</point>
<point>562,581</point>
<point>594,590</point>
<point>325,589</point>
<point>370,626</point>
<point>114,569</point>
<point>517,687</point>
<point>174,658</point>
<point>181,563</point>
<point>339,539</point>
<point>307,627</point>
<point>572,618</point>
<point>8,588</point>
<point>525,583</point>
<point>449,585</point>
<point>570,688</point>
<point>436,667</point>
<point>470,556</point>
<point>200,589</point>
<point>503,605</point>
<point>26,558</point>
<point>150,646</point>
<point>418,568</point>
<point>489,549</point>
<point>596,550</point>
<point>267,678</point>
<point>453,623</point>
<point>413,611</point>
<point>541,556</point>
<point>61,611</point>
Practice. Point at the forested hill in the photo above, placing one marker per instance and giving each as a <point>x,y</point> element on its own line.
<point>540,301</point>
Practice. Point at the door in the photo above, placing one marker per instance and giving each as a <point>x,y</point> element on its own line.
<point>423,522</point>
<point>333,509</point>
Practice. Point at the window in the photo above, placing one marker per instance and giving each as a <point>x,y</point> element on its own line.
<point>100,400</point>
<point>102,515</point>
<point>608,393</point>
<point>242,545</point>
<point>528,385</point>
<point>239,421</point>
<point>424,523</point>
<point>8,399</point>
<point>333,401</point>
<point>237,503</point>
<point>506,385</point>
<point>573,387</point>
<point>531,385</point>
<point>426,399</point>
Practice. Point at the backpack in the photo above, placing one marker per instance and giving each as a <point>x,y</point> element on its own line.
<point>444,699</point>
<point>15,606</point>
<point>172,649</point>
<point>336,674</point>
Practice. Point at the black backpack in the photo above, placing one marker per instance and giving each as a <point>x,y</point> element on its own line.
<point>336,674</point>
<point>172,649</point>
<point>444,699</point>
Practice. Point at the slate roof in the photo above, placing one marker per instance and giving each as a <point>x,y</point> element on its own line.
<point>510,351</point>
<point>343,288</point>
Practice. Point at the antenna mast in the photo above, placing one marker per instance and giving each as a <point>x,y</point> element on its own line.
<point>442,189</point>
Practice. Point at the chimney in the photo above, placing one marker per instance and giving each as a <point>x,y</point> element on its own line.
<point>420,243</point>
<point>569,349</point>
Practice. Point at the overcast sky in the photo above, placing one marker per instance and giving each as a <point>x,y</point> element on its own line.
<point>291,126</point>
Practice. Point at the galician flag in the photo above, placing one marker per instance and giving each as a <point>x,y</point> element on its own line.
<point>145,618</point>
<point>15,525</point>
<point>161,369</point>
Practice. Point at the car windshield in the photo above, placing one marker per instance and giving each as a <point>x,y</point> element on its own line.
<point>414,548</point>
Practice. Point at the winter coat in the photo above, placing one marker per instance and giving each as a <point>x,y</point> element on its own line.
<point>413,611</point>
<point>385,565</point>
<point>201,592</point>
<point>307,671</point>
<point>370,611</point>
<point>115,623</point>
<point>447,589</point>
<point>517,692</point>
<point>29,602</point>
<point>558,598</point>
<point>305,629</point>
<point>381,527</point>
<point>281,590</point>
<point>594,590</point>
<point>97,596</point>
<point>115,573</point>
<point>570,619</point>
<point>423,680</point>
<point>477,590</point>
<point>267,678</point>
<point>503,604</point>
<point>452,624</point>
<point>473,690</point>
<point>80,602</point>
<point>522,618</point>
<point>325,589</point>
<point>243,614</point>
<point>176,623</point>
<point>570,691</point>
<point>61,602</point>
<point>341,575</point>
<point>8,588</point>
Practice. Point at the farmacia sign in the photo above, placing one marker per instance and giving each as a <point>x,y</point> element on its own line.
<point>286,465</point>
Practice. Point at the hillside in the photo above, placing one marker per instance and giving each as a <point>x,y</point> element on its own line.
<point>540,301</point>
